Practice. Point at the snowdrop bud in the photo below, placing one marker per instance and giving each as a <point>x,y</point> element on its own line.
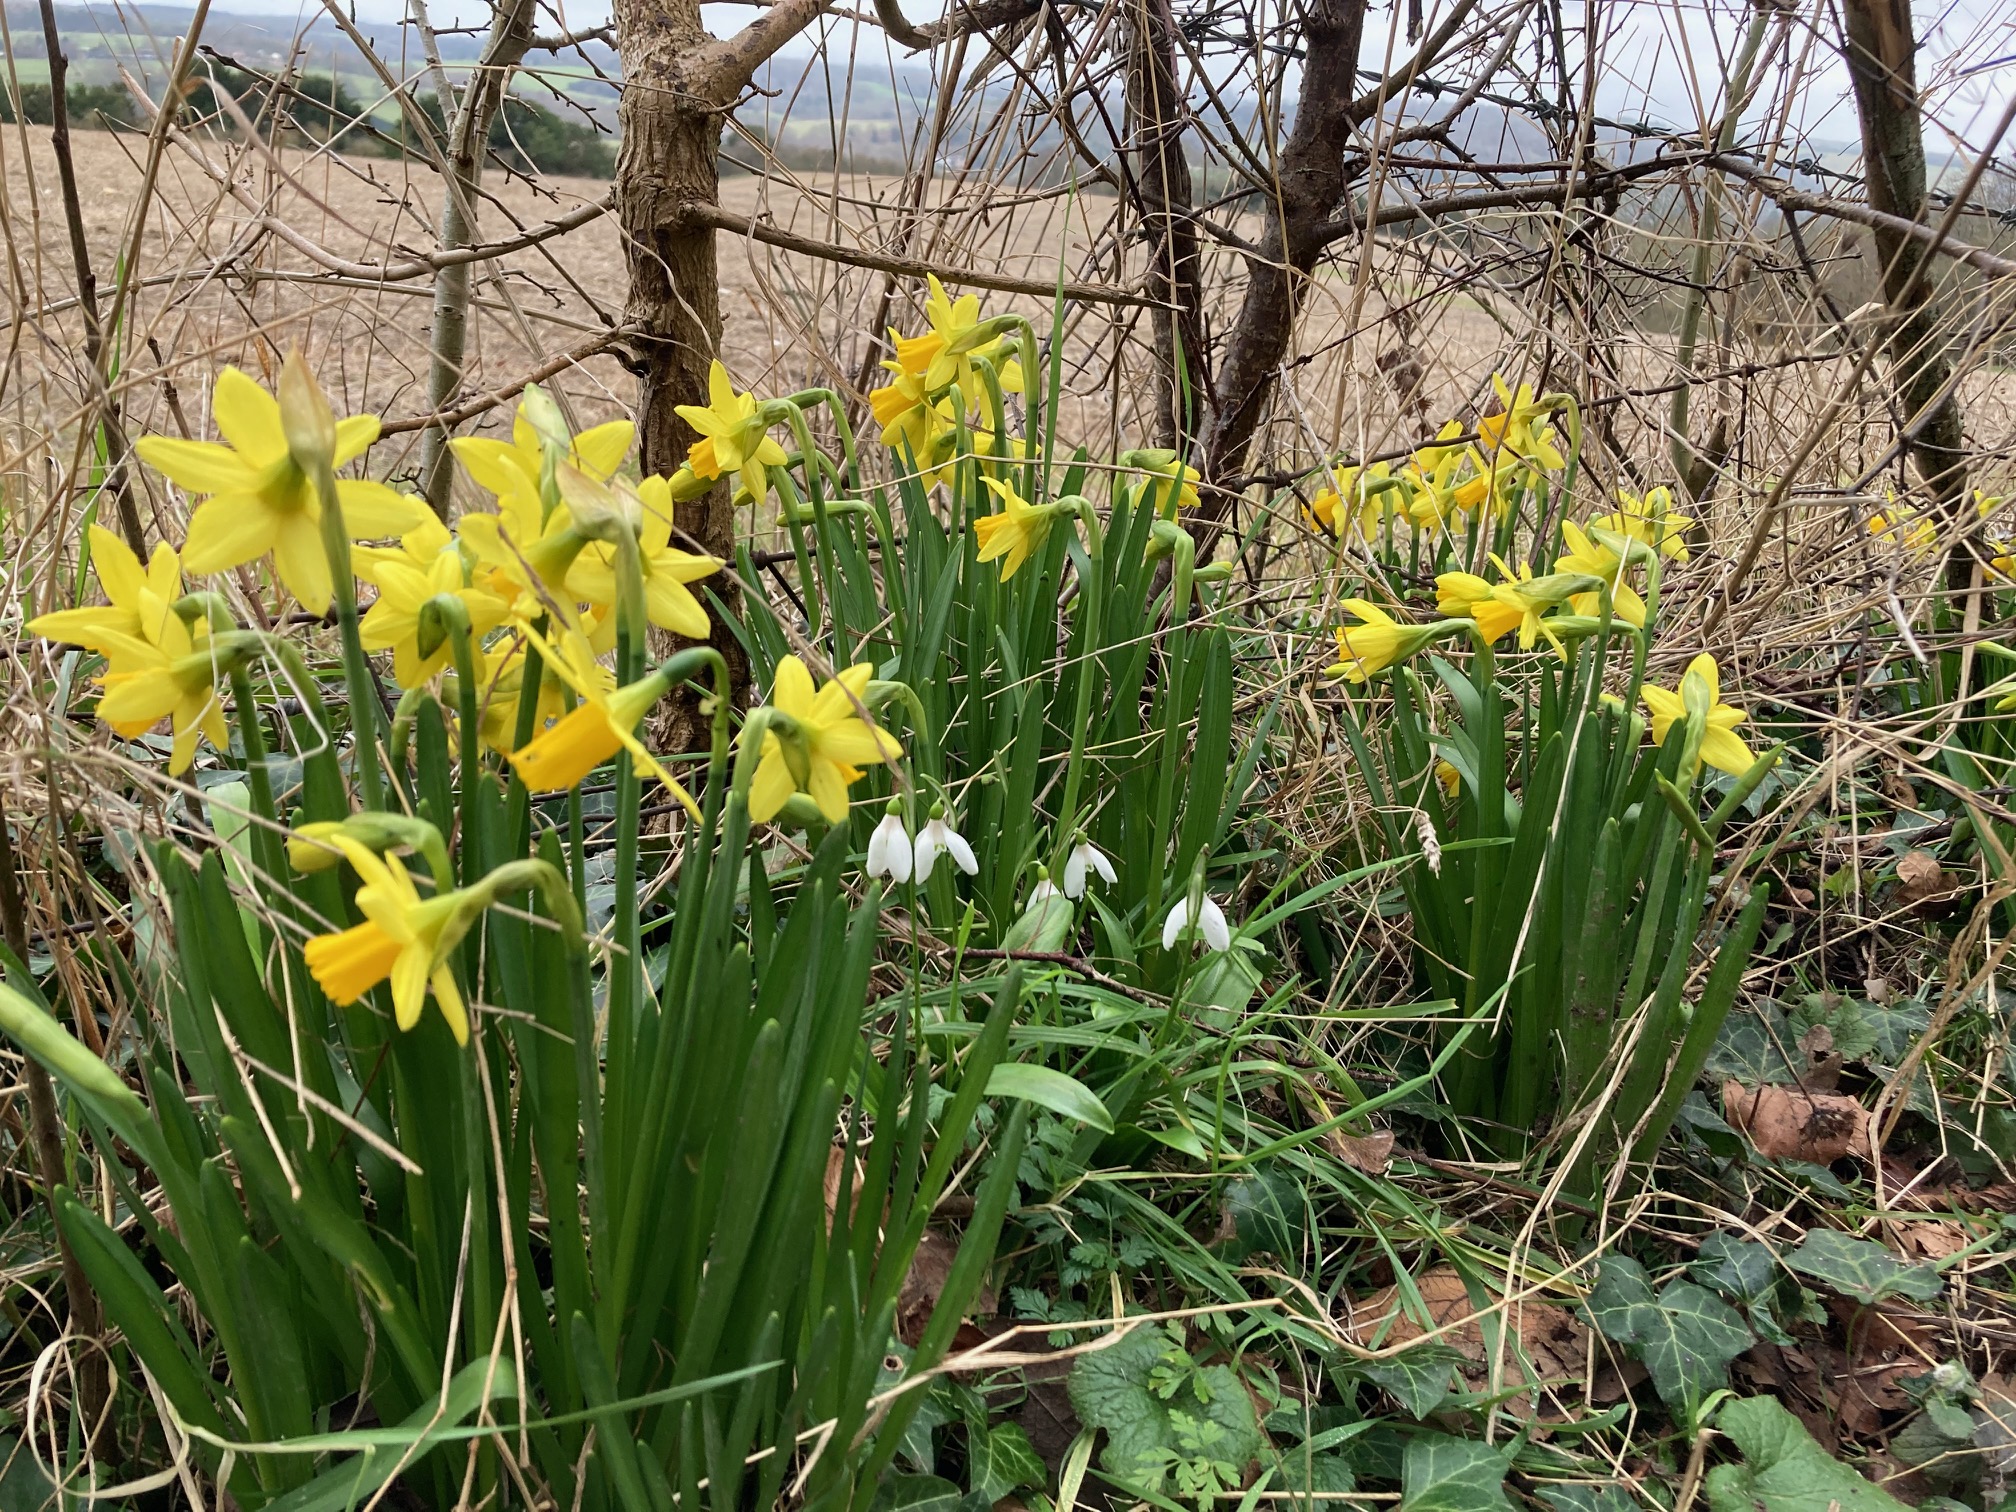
<point>1085,856</point>
<point>1043,891</point>
<point>1210,924</point>
<point>939,837</point>
<point>889,853</point>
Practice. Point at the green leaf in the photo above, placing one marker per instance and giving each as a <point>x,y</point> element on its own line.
<point>1157,1405</point>
<point>916,1493</point>
<point>1748,1274</point>
<point>1848,1021</point>
<point>1783,1469</point>
<point>1042,928</point>
<point>1685,1337</point>
<point>1002,1459</point>
<point>1862,1269</point>
<point>1443,1474</point>
<point>1050,1089</point>
<point>1418,1378</point>
<point>1587,1498</point>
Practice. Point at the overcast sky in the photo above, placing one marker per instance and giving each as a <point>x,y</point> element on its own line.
<point>1662,56</point>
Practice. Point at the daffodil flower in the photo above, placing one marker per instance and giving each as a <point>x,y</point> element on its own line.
<point>141,599</point>
<point>1511,427</point>
<point>1209,924</point>
<point>734,436</point>
<point>1086,859</point>
<point>1721,747</point>
<point>512,469</point>
<point>890,853</point>
<point>172,678</point>
<point>1447,777</point>
<point>1436,491</point>
<point>1516,604</point>
<point>1905,527</point>
<point>1599,561</point>
<point>1649,519</point>
<point>417,548</point>
<point>1172,482</point>
<point>1379,641</point>
<point>668,602</point>
<point>1013,534</point>
<point>944,354</point>
<point>404,937</point>
<point>830,742</point>
<point>1353,507</point>
<point>260,500</point>
<point>393,621</point>
<point>603,723</point>
<point>938,838</point>
<point>906,413</point>
<point>503,686</point>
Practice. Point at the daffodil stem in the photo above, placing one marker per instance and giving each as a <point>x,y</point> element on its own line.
<point>357,674</point>
<point>265,832</point>
<point>1092,628</point>
<point>469,737</point>
<point>822,526</point>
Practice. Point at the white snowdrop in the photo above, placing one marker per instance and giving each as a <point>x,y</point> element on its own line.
<point>939,838</point>
<point>889,853</point>
<point>1210,923</point>
<point>1084,856</point>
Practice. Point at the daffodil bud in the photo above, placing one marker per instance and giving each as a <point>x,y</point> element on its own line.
<point>1213,572</point>
<point>1557,586</point>
<point>539,410</point>
<point>1149,458</point>
<point>320,844</point>
<point>305,417</point>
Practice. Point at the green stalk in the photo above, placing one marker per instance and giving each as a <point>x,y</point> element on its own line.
<point>357,673</point>
<point>1092,627</point>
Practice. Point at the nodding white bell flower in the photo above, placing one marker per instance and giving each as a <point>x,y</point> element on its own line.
<point>1043,891</point>
<point>1085,856</point>
<point>939,837</point>
<point>889,852</point>
<point>1210,924</point>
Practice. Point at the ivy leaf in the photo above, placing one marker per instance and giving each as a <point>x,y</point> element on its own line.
<point>1111,1389</point>
<point>1002,1459</point>
<point>1443,1474</point>
<point>1685,1337</point>
<point>1417,1378</point>
<point>1586,1498</point>
<point>1861,1269</point>
<point>1848,1021</point>
<point>916,1493</point>
<point>1746,1273</point>
<point>1783,1469</point>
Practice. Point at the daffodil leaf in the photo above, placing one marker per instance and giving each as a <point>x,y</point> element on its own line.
<point>1443,1474</point>
<point>1861,1269</point>
<point>1061,1094</point>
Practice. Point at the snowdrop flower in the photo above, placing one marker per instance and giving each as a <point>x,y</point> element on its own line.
<point>1210,924</point>
<point>889,853</point>
<point>1043,891</point>
<point>937,836</point>
<point>1085,856</point>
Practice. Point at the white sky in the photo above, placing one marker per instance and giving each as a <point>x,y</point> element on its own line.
<point>1661,55</point>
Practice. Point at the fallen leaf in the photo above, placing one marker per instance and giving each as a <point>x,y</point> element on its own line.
<point>1921,879</point>
<point>1792,1123</point>
<point>1371,1153</point>
<point>1553,1341</point>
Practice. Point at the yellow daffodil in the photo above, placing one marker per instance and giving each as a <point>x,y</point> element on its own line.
<point>1019,529</point>
<point>666,570</point>
<point>734,437</point>
<point>1351,508</point>
<point>1598,560</point>
<point>1436,489</point>
<point>141,599</point>
<point>944,354</point>
<point>1448,778</point>
<point>511,469</point>
<point>1721,747</point>
<point>404,937</point>
<point>393,621</point>
<point>1517,603</point>
<point>1380,641</point>
<point>1173,481</point>
<point>260,498</point>
<point>832,743</point>
<point>903,408</point>
<point>416,549</point>
<point>502,681</point>
<point>1903,526</point>
<point>1511,427</point>
<point>172,677</point>
<point>603,723</point>
<point>1649,519</point>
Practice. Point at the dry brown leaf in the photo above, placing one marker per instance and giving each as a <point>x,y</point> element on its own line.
<point>1921,879</point>
<point>1371,1153</point>
<point>1554,1342</point>
<point>1792,1123</point>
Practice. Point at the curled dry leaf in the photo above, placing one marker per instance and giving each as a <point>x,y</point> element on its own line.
<point>1791,1123</point>
<point>1922,880</point>
<point>1371,1153</point>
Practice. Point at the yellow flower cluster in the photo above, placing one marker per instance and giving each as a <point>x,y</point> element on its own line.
<point>916,408</point>
<point>1449,478</point>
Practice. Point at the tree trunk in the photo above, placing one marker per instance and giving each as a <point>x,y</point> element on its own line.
<point>1163,189</point>
<point>670,156</point>
<point>1312,182</point>
<point>1881,54</point>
